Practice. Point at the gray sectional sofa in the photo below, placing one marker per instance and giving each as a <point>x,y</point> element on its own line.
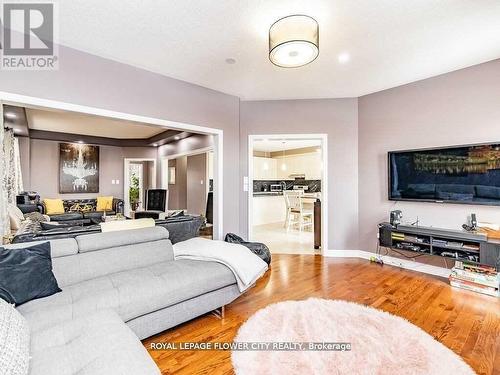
<point>118,288</point>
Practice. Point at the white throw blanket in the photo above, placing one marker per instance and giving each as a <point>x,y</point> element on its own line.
<point>246,266</point>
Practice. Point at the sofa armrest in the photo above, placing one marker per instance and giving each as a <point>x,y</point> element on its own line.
<point>118,205</point>
<point>26,208</point>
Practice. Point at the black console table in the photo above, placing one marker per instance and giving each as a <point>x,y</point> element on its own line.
<point>450,244</point>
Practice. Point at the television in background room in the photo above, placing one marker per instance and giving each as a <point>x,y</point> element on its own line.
<point>458,174</point>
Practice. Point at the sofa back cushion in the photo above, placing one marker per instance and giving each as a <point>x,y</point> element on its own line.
<point>102,241</point>
<point>14,341</point>
<point>104,203</point>
<point>79,205</point>
<point>102,254</point>
<point>58,248</point>
<point>53,206</point>
<point>489,192</point>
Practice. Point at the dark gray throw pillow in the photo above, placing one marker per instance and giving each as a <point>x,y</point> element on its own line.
<point>26,274</point>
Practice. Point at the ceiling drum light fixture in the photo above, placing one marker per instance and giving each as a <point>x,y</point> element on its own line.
<point>294,41</point>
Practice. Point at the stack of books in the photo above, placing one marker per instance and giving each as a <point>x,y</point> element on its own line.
<point>397,236</point>
<point>479,278</point>
<point>414,239</point>
<point>437,242</point>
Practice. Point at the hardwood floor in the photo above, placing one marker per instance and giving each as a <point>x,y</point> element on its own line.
<point>466,322</point>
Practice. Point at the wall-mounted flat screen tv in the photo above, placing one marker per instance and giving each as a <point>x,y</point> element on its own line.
<point>463,174</point>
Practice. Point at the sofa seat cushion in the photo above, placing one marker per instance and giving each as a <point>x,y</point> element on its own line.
<point>131,293</point>
<point>66,216</point>
<point>95,344</point>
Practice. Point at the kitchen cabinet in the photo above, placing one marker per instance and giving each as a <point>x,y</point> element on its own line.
<point>268,209</point>
<point>308,164</point>
<point>264,168</point>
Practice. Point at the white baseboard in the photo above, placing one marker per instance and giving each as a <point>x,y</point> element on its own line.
<point>402,263</point>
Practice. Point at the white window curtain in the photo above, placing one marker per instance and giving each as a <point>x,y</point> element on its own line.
<point>10,173</point>
<point>4,219</point>
<point>13,178</point>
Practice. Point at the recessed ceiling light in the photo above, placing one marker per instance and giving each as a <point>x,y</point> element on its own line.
<point>155,144</point>
<point>80,142</point>
<point>293,41</point>
<point>344,57</point>
<point>10,115</point>
<point>177,137</point>
<point>230,61</point>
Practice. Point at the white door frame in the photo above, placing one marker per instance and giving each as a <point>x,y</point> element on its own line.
<point>323,138</point>
<point>34,102</point>
<point>126,180</point>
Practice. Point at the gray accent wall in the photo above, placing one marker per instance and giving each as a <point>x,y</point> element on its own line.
<point>177,193</point>
<point>461,107</point>
<point>196,190</point>
<point>40,163</point>
<point>338,118</point>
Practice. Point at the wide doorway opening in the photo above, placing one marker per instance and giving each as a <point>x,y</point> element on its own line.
<point>117,146</point>
<point>189,178</point>
<point>287,192</point>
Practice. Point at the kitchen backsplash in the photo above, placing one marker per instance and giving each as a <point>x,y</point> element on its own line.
<point>261,185</point>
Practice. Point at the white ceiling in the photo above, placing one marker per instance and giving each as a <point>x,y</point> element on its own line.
<point>75,123</point>
<point>271,145</point>
<point>390,42</point>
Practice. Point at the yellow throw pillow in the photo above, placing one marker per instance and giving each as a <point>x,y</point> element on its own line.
<point>104,204</point>
<point>53,206</point>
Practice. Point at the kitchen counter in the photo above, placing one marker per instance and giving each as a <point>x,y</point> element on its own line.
<point>279,193</point>
<point>266,193</point>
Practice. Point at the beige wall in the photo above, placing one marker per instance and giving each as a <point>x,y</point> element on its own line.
<point>196,196</point>
<point>188,192</point>
<point>43,168</point>
<point>457,108</point>
<point>177,192</point>
<point>338,119</point>
<point>24,152</point>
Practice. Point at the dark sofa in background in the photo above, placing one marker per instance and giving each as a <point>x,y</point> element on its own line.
<point>85,218</point>
<point>181,228</point>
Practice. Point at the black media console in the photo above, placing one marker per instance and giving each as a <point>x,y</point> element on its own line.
<point>450,244</point>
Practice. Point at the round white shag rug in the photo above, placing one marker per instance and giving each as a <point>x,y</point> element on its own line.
<point>381,343</point>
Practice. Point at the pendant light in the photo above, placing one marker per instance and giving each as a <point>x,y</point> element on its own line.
<point>283,163</point>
